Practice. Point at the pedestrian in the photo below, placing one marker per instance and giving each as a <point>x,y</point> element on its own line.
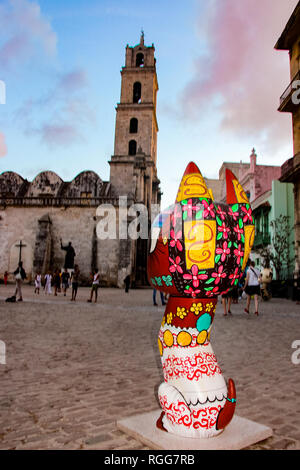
<point>5,278</point>
<point>56,282</point>
<point>162,298</point>
<point>65,277</point>
<point>37,282</point>
<point>127,283</point>
<point>95,285</point>
<point>20,275</point>
<point>252,286</point>
<point>75,280</point>
<point>48,283</point>
<point>226,301</point>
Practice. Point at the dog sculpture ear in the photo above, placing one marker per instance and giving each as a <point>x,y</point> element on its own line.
<point>192,184</point>
<point>234,190</point>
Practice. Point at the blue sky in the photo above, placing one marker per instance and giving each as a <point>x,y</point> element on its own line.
<point>217,98</point>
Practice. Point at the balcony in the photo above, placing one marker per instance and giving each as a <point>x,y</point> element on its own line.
<point>287,104</point>
<point>290,170</point>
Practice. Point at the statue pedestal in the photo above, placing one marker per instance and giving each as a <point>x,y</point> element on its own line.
<point>239,433</point>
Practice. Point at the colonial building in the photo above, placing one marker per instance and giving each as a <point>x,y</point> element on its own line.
<point>290,103</point>
<point>36,215</point>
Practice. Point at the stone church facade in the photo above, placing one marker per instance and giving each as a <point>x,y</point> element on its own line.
<point>36,215</point>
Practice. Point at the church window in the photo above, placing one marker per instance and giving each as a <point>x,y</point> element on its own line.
<point>139,61</point>
<point>133,126</point>
<point>132,147</point>
<point>137,92</point>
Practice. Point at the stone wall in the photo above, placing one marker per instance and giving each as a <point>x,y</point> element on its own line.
<point>75,224</point>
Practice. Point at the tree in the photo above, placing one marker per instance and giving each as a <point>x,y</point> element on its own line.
<point>280,252</point>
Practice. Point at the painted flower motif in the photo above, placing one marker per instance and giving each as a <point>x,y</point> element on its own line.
<point>195,276</point>
<point>188,208</point>
<point>196,308</point>
<point>234,214</point>
<point>234,276</point>
<point>209,307</point>
<point>175,265</point>
<point>169,318</point>
<point>224,251</point>
<point>163,321</point>
<point>208,209</point>
<point>192,292</point>
<point>248,214</point>
<point>221,213</point>
<point>219,275</point>
<point>224,230</point>
<point>158,281</point>
<point>239,254</point>
<point>213,292</point>
<point>239,231</point>
<point>176,214</point>
<point>181,312</point>
<point>176,239</point>
<point>167,280</point>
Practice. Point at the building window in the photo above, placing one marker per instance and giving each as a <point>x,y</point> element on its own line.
<point>133,126</point>
<point>137,92</point>
<point>132,147</point>
<point>139,60</point>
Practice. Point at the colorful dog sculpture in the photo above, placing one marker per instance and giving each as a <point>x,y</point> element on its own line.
<point>199,249</point>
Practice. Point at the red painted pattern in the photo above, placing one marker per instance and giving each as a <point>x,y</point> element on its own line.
<point>180,413</point>
<point>191,368</point>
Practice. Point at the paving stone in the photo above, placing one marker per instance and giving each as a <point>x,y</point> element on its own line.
<point>74,369</point>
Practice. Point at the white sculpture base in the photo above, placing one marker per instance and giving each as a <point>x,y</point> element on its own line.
<point>239,433</point>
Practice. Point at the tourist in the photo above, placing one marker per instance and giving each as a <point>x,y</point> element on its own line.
<point>95,285</point>
<point>226,301</point>
<point>48,282</point>
<point>5,278</point>
<point>252,286</point>
<point>20,275</point>
<point>56,282</point>
<point>75,280</point>
<point>65,280</point>
<point>127,283</point>
<point>162,298</point>
<point>37,282</point>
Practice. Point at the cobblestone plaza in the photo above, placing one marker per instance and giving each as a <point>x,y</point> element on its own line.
<point>74,368</point>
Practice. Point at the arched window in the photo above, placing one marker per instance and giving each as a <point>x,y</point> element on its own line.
<point>133,126</point>
<point>132,147</point>
<point>139,60</point>
<point>137,92</point>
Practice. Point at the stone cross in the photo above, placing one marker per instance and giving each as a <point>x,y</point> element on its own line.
<point>20,246</point>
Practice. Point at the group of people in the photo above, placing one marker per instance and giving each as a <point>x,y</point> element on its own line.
<point>59,281</point>
<point>250,284</point>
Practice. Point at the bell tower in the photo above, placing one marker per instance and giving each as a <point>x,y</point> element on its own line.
<point>133,165</point>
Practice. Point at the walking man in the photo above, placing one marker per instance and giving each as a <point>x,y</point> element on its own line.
<point>95,285</point>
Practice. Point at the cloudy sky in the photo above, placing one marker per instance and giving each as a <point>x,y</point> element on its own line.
<point>219,78</point>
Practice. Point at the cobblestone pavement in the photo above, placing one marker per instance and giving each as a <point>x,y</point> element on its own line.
<point>73,368</point>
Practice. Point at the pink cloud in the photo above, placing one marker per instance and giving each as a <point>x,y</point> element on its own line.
<point>23,31</point>
<point>242,76</point>
<point>3,148</point>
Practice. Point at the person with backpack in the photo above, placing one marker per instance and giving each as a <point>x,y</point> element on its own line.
<point>252,286</point>
<point>20,276</point>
